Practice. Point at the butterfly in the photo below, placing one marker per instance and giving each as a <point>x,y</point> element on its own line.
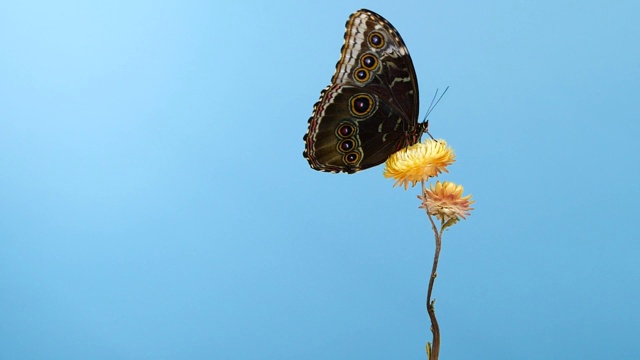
<point>370,109</point>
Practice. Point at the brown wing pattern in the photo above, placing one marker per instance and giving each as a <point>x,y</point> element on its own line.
<point>394,80</point>
<point>370,109</point>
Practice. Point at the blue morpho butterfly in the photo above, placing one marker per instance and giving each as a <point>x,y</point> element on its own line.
<point>370,109</point>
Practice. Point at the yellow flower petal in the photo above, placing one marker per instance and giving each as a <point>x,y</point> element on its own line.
<point>419,162</point>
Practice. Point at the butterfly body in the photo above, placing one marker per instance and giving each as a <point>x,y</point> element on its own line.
<point>370,109</point>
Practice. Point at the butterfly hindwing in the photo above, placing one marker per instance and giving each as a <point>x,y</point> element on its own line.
<point>358,130</point>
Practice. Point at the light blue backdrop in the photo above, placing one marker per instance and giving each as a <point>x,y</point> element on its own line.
<point>155,204</point>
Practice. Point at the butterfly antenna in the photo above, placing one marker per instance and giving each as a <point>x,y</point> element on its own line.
<point>432,106</point>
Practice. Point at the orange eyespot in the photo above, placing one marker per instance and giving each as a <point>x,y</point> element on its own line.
<point>361,104</point>
<point>369,61</point>
<point>376,40</point>
<point>361,74</point>
<point>351,158</point>
<point>346,145</point>
<point>345,130</point>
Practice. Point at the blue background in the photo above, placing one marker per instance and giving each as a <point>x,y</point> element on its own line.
<point>155,204</point>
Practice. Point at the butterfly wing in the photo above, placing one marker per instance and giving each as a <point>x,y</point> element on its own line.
<point>370,110</point>
<point>388,72</point>
<point>356,130</point>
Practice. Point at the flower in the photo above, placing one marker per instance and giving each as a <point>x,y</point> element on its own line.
<point>445,201</point>
<point>419,162</point>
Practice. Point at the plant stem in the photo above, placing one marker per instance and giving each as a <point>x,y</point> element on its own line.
<point>435,329</point>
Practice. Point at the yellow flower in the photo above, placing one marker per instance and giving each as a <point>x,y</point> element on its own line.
<point>445,201</point>
<point>419,162</point>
